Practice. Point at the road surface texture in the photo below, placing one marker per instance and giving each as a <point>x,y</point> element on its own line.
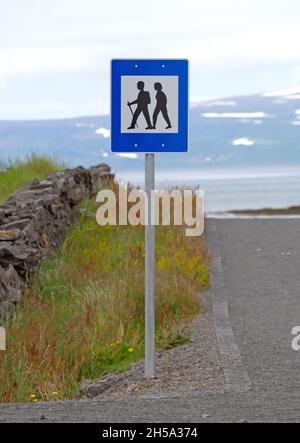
<point>255,296</point>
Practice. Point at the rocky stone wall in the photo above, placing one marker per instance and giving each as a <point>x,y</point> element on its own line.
<point>34,221</point>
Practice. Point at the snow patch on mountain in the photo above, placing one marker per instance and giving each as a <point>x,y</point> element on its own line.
<point>221,103</point>
<point>84,125</point>
<point>103,131</point>
<point>130,155</point>
<point>283,93</point>
<point>293,97</point>
<point>243,142</point>
<point>240,115</point>
<point>279,101</point>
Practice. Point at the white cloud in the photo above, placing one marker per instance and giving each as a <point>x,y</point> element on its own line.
<point>74,30</point>
<point>3,82</point>
<point>103,131</point>
<point>240,115</point>
<point>243,142</point>
<point>243,48</point>
<point>28,60</point>
<point>72,41</point>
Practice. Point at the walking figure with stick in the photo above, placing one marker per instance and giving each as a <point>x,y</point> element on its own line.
<point>143,101</point>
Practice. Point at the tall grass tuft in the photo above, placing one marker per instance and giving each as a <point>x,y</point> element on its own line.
<point>17,173</point>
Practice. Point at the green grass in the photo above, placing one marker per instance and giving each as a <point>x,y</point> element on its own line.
<point>17,173</point>
<point>84,315</point>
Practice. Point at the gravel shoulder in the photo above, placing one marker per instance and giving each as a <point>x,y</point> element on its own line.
<point>194,366</point>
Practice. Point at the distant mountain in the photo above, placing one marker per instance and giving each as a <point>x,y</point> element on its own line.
<point>251,131</point>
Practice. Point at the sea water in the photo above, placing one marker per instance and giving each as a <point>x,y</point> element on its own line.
<point>230,190</point>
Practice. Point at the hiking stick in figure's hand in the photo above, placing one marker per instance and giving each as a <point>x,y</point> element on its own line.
<point>129,105</point>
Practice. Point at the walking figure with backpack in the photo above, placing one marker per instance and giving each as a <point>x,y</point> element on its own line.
<point>143,101</point>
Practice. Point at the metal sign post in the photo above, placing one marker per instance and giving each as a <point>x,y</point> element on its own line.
<point>149,271</point>
<point>149,114</point>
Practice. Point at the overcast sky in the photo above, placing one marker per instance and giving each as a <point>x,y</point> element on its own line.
<point>55,54</point>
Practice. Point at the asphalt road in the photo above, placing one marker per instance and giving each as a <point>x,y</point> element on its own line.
<point>256,303</point>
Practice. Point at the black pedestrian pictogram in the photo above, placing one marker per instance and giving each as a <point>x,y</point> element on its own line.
<point>143,101</point>
<point>161,106</point>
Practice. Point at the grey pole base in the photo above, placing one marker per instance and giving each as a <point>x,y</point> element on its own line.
<point>149,273</point>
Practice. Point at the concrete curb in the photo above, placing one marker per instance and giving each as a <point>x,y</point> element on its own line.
<point>236,376</point>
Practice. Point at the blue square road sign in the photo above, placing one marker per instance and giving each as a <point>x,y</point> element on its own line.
<point>149,105</point>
